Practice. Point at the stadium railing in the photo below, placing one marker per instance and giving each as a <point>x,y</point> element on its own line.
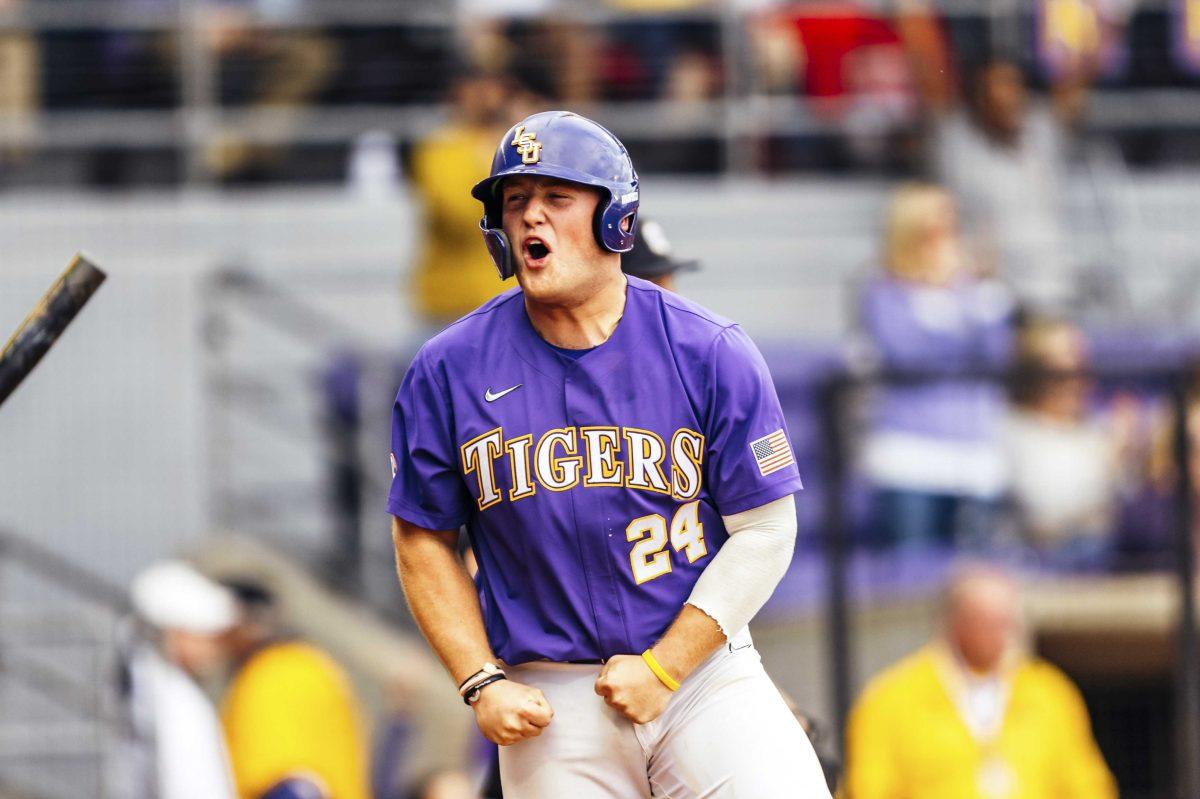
<point>738,117</point>
<point>59,717</point>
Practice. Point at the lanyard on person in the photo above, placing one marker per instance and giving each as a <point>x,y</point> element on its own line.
<point>982,704</point>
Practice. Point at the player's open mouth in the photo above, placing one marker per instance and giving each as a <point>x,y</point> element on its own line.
<point>536,251</point>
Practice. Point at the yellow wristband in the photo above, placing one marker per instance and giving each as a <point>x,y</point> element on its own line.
<point>659,671</point>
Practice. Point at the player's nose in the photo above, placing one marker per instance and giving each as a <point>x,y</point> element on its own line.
<point>535,210</point>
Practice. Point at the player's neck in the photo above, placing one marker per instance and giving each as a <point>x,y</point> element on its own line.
<point>584,325</point>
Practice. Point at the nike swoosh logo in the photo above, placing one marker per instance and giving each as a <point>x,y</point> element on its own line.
<point>490,397</point>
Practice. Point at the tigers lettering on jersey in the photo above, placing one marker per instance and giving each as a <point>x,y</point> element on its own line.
<point>595,457</point>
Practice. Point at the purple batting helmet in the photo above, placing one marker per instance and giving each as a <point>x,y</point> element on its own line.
<point>567,146</point>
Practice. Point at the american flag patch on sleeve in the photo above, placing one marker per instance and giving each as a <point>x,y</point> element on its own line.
<point>772,452</point>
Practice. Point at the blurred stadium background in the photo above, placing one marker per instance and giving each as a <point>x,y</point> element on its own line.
<point>249,173</point>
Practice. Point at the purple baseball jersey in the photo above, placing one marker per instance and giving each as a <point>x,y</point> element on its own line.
<point>592,487</point>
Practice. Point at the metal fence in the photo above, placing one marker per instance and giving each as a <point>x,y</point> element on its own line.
<point>174,104</point>
<point>59,715</point>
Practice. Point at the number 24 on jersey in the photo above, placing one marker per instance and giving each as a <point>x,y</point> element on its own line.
<point>649,557</point>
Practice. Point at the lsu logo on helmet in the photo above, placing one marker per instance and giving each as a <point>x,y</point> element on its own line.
<point>529,148</point>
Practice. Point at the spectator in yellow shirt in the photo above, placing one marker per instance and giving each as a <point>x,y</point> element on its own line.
<point>290,715</point>
<point>970,717</point>
<point>454,274</point>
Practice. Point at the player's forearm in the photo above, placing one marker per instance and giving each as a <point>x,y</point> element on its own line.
<point>690,639</point>
<point>442,598</point>
<point>733,587</point>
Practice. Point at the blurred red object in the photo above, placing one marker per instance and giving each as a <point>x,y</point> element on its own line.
<point>835,37</point>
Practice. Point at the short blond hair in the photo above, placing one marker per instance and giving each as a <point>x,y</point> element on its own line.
<point>908,215</point>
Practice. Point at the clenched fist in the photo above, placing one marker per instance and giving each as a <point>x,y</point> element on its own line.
<point>508,712</point>
<point>628,686</point>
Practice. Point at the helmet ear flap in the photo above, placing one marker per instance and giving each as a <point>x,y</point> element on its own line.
<point>498,247</point>
<point>616,223</point>
<point>598,219</point>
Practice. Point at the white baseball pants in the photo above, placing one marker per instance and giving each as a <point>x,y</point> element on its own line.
<point>726,733</point>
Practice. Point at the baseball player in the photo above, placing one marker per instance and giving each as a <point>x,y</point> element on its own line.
<point>652,256</point>
<point>619,458</point>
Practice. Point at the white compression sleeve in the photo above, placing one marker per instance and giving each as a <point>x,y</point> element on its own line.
<point>744,573</point>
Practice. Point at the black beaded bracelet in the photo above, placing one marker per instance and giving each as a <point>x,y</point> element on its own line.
<point>472,696</point>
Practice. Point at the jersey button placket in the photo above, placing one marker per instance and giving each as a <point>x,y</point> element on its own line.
<point>592,526</point>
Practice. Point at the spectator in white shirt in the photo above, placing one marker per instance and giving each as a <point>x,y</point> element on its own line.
<point>174,748</point>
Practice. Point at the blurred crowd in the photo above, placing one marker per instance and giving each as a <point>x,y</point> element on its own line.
<point>241,677</point>
<point>230,690</point>
<point>874,83</point>
<point>993,430</point>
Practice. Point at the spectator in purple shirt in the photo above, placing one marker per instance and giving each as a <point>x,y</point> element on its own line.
<point>932,453</point>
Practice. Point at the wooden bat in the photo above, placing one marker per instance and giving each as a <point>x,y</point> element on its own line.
<point>46,322</point>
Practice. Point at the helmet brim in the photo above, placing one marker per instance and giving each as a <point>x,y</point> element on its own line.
<point>485,190</point>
